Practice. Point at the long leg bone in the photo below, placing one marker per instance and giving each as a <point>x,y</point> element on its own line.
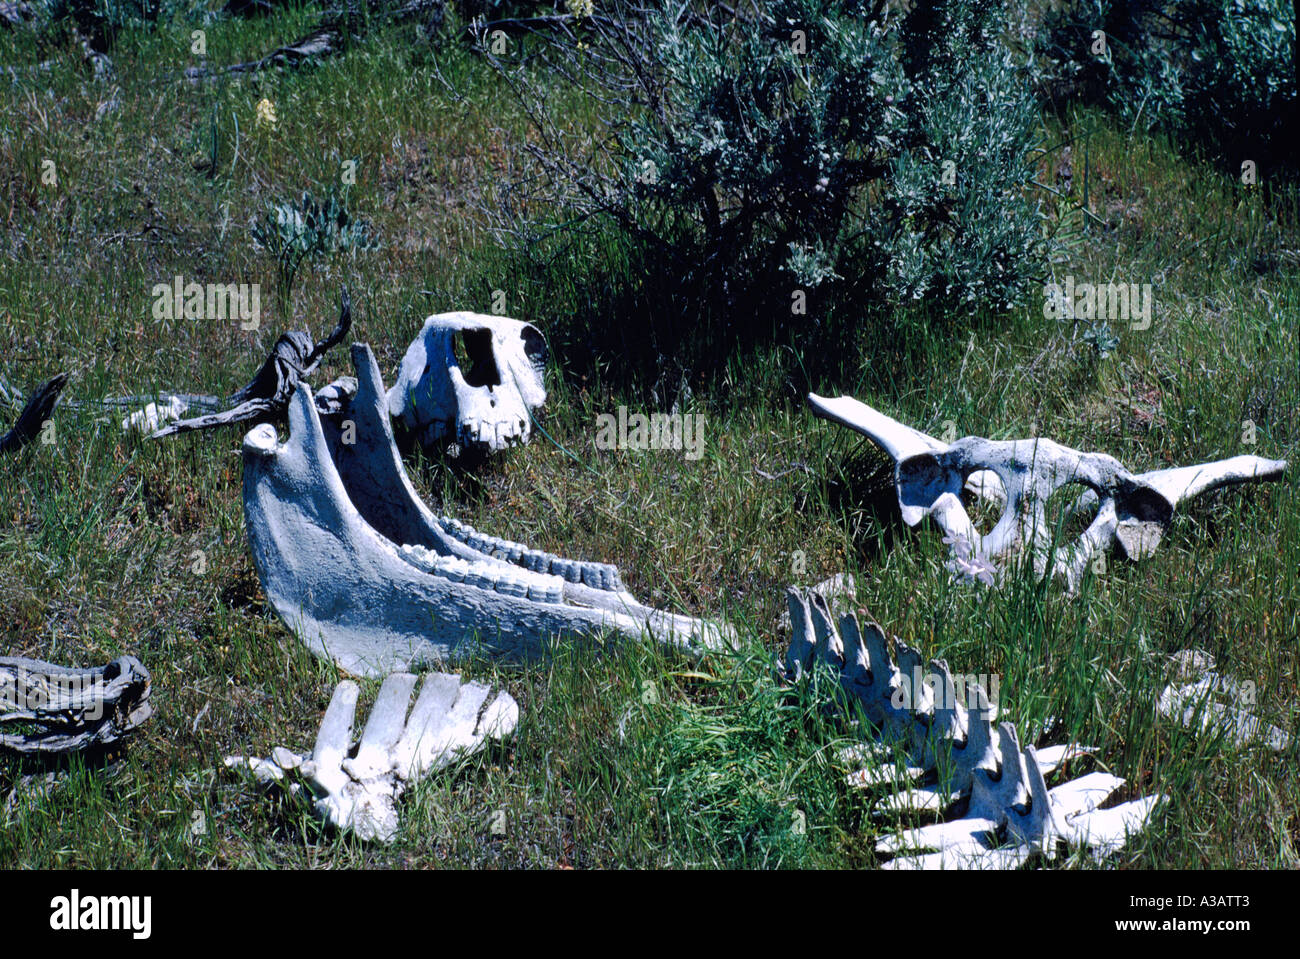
<point>1132,510</point>
<point>952,757</point>
<point>366,575</point>
<point>356,786</point>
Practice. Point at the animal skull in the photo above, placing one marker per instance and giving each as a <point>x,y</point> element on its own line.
<point>1019,476</point>
<point>363,571</point>
<point>484,407</point>
<point>955,754</point>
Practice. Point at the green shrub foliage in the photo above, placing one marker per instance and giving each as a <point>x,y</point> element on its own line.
<point>849,149</point>
<point>1219,73</point>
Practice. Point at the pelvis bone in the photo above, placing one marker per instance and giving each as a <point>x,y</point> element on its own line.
<point>485,407</point>
<point>358,566</point>
<point>955,763</point>
<point>1132,511</point>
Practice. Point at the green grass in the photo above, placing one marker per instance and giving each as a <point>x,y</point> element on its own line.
<point>630,756</point>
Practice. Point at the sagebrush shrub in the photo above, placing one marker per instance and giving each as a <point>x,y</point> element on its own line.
<point>1218,73</point>
<point>295,231</point>
<point>837,146</point>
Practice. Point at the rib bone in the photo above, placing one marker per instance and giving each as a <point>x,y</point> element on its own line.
<point>951,755</point>
<point>1209,703</point>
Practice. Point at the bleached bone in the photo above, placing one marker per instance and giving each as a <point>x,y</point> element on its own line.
<point>837,590</point>
<point>1132,510</point>
<point>153,416</point>
<point>485,407</point>
<point>1208,704</point>
<point>356,786</point>
<point>935,755</point>
<point>368,576</point>
<point>61,710</point>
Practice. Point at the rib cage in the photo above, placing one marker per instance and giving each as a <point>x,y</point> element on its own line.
<point>996,810</point>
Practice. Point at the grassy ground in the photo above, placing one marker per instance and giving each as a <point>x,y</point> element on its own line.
<point>627,757</point>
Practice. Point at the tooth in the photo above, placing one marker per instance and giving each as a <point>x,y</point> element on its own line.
<point>512,586</point>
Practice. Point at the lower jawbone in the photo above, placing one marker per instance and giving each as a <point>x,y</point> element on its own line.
<point>366,575</point>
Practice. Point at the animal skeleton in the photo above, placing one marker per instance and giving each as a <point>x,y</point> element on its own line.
<point>356,787</point>
<point>1010,814</point>
<point>1132,511</point>
<point>367,575</point>
<point>485,407</point>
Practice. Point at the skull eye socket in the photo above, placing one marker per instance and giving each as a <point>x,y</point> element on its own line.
<point>476,359</point>
<point>534,347</point>
<point>985,499</point>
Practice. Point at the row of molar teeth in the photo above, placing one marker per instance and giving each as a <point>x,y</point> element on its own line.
<point>595,575</point>
<point>519,583</point>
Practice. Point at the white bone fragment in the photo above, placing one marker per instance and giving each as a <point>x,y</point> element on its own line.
<point>1018,476</point>
<point>356,786</point>
<point>360,569</point>
<point>155,415</point>
<point>1198,705</point>
<point>937,756</point>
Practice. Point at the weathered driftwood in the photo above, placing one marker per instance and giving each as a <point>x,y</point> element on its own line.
<point>996,810</point>
<point>87,24</point>
<point>61,710</point>
<point>320,43</point>
<point>266,397</point>
<point>356,786</point>
<point>365,574</point>
<point>1132,511</point>
<point>485,407</point>
<point>34,414</point>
